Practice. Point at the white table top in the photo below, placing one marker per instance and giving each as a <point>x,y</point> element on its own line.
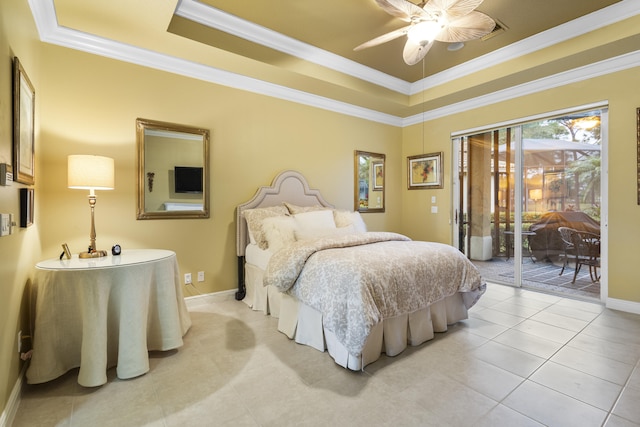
<point>128,257</point>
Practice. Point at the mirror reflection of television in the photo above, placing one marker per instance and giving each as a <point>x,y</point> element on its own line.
<point>187,179</point>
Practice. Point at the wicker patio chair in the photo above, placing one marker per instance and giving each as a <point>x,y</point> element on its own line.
<point>566,234</point>
<point>587,250</point>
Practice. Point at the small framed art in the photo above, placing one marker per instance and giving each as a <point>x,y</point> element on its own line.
<point>424,171</point>
<point>26,207</point>
<point>23,123</point>
<point>66,252</point>
<point>378,175</point>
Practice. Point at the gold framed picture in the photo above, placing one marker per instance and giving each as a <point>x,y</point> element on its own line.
<point>424,171</point>
<point>23,123</point>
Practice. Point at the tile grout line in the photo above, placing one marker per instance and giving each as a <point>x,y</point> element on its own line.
<point>548,359</point>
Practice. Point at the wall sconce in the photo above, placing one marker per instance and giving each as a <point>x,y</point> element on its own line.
<point>92,173</point>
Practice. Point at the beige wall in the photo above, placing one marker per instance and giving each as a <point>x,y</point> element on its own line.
<point>20,250</point>
<point>88,105</point>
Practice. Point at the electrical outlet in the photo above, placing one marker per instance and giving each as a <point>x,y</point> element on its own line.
<point>200,276</point>
<point>19,342</point>
<point>187,278</point>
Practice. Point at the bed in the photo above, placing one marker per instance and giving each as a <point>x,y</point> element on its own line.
<point>339,288</point>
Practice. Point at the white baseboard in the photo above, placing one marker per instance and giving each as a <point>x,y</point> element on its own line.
<point>9,413</point>
<point>623,305</point>
<point>194,301</point>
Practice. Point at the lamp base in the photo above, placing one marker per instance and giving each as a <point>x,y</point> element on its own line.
<point>92,254</point>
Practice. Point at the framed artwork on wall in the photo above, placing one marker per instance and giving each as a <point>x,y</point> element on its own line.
<point>378,175</point>
<point>424,171</point>
<point>23,125</point>
<point>26,207</point>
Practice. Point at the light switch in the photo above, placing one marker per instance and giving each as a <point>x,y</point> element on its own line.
<point>434,209</point>
<point>433,199</point>
<point>5,224</point>
<point>6,177</point>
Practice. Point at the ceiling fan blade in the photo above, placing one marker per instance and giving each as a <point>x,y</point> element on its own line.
<point>402,9</point>
<point>414,52</point>
<point>384,38</point>
<point>452,8</point>
<point>470,27</point>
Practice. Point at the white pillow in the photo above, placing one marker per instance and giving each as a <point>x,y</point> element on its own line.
<point>279,231</point>
<point>317,233</point>
<point>346,218</point>
<point>315,219</point>
<point>314,224</point>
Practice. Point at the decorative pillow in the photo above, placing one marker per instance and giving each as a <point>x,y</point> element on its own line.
<point>293,209</point>
<point>252,238</point>
<point>346,218</point>
<point>255,217</point>
<point>279,231</point>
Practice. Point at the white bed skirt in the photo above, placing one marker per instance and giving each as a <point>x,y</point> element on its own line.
<point>304,324</point>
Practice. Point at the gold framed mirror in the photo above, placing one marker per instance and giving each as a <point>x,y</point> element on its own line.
<point>173,170</point>
<point>369,182</point>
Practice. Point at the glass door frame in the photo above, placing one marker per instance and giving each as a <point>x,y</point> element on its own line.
<point>457,216</point>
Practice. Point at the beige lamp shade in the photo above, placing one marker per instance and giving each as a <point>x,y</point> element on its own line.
<point>90,172</point>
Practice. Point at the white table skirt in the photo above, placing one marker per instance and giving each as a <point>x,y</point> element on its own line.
<point>99,313</point>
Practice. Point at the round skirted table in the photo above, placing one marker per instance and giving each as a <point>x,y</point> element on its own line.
<point>98,313</point>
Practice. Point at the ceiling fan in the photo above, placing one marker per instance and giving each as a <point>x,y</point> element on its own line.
<point>448,21</point>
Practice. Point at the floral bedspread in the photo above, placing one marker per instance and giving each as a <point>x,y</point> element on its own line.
<point>357,280</point>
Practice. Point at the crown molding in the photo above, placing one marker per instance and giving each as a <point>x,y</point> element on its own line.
<point>597,69</point>
<point>50,32</point>
<point>223,21</point>
<point>580,26</point>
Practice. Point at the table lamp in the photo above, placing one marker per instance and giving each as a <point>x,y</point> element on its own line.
<point>92,173</point>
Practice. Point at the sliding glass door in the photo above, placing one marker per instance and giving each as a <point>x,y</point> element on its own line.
<point>516,186</point>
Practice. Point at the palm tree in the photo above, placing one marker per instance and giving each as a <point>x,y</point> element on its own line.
<point>587,171</point>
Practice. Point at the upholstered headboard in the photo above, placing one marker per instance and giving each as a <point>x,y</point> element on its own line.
<point>288,186</point>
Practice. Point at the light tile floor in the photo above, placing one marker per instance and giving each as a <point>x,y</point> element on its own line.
<point>521,359</point>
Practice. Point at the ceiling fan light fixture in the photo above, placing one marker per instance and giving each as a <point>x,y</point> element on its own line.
<point>424,32</point>
<point>455,46</point>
